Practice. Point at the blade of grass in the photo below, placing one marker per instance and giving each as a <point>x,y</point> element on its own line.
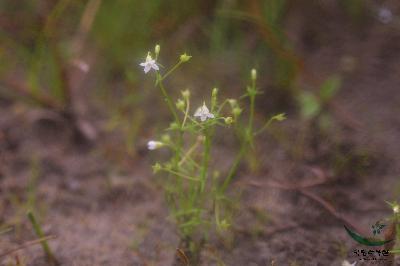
<point>39,232</point>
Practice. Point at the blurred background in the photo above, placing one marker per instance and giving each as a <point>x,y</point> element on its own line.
<point>77,111</point>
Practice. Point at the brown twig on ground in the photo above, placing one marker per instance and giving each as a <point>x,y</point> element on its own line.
<point>27,244</point>
<point>303,190</point>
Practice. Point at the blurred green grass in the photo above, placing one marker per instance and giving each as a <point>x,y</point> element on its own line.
<point>38,46</point>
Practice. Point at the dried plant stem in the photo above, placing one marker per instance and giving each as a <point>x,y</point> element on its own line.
<point>27,244</point>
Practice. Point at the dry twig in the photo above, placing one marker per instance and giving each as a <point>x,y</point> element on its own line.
<point>27,244</point>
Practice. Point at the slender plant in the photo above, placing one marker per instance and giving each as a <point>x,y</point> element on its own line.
<point>196,193</point>
<point>39,232</point>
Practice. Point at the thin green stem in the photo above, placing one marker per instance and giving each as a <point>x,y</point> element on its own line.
<point>234,167</point>
<point>206,159</point>
<point>181,175</point>
<point>222,106</point>
<point>167,98</point>
<point>170,71</point>
<point>189,152</point>
<point>186,112</point>
<point>39,232</point>
<point>248,138</point>
<point>266,125</point>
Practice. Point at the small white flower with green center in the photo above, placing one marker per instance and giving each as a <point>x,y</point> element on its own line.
<point>149,64</point>
<point>152,144</point>
<point>203,113</point>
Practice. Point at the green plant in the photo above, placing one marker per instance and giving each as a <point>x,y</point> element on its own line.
<point>39,232</point>
<point>314,106</point>
<point>196,192</point>
<point>29,201</point>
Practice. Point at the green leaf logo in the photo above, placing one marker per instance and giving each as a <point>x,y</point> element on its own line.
<point>366,241</point>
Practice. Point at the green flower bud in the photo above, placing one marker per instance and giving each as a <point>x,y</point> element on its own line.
<point>157,49</point>
<point>174,126</point>
<point>214,92</point>
<point>165,138</point>
<point>185,94</point>
<point>156,168</point>
<point>232,103</point>
<point>228,120</point>
<point>279,117</point>
<point>184,58</point>
<point>253,74</point>
<point>237,111</point>
<point>180,104</point>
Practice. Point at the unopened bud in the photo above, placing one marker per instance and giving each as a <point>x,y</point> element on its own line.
<point>253,74</point>
<point>180,104</point>
<point>157,49</point>
<point>156,168</point>
<point>232,103</point>
<point>237,111</point>
<point>214,92</point>
<point>184,58</point>
<point>153,144</point>
<point>279,117</point>
<point>174,126</point>
<point>185,94</point>
<point>165,138</point>
<point>228,120</point>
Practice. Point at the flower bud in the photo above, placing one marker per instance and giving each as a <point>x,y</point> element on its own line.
<point>165,138</point>
<point>232,103</point>
<point>156,168</point>
<point>185,94</point>
<point>184,57</point>
<point>214,92</point>
<point>253,74</point>
<point>157,50</point>
<point>153,145</point>
<point>279,117</point>
<point>174,126</point>
<point>237,111</point>
<point>180,104</point>
<point>228,120</point>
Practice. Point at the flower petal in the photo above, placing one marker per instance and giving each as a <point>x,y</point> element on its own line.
<point>198,112</point>
<point>147,68</point>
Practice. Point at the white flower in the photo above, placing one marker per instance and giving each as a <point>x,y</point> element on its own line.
<point>346,263</point>
<point>149,64</point>
<point>203,113</point>
<point>152,144</point>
